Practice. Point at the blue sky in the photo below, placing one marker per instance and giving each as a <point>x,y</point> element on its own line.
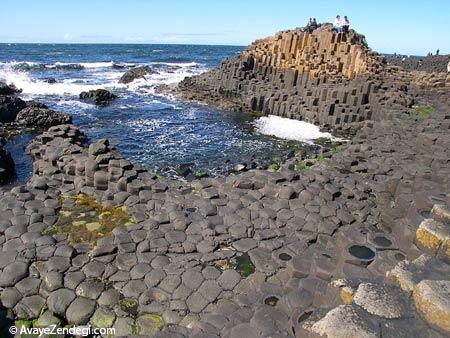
<point>414,27</point>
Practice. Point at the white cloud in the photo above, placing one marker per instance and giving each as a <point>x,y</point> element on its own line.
<point>67,37</point>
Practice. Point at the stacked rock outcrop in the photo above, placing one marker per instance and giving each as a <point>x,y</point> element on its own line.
<point>321,77</point>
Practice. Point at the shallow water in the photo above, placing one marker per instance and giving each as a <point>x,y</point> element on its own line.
<point>157,131</point>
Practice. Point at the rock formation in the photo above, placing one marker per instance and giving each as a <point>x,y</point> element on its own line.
<point>39,117</point>
<point>321,77</point>
<point>136,73</point>
<point>99,97</point>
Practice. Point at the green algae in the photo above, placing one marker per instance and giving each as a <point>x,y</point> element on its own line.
<point>128,305</point>
<point>87,220</point>
<point>243,265</point>
<point>420,112</point>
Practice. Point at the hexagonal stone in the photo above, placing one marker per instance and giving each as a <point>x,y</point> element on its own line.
<point>80,310</point>
<point>149,324</point>
<point>210,289</point>
<point>382,300</point>
<point>170,283</point>
<point>94,269</point>
<point>13,273</point>
<point>229,279</point>
<point>431,235</point>
<point>109,298</point>
<point>28,286</point>
<point>245,244</point>
<point>244,330</point>
<point>346,321</point>
<point>90,289</point>
<point>154,277</point>
<point>196,302</point>
<point>432,299</point>
<point>29,307</point>
<point>134,288</point>
<point>58,264</point>
<point>103,318</point>
<point>192,279</point>
<point>53,281</point>
<point>58,301</point>
<point>10,297</point>
<point>124,327</point>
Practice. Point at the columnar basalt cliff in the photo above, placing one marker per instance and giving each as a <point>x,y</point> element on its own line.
<point>321,77</point>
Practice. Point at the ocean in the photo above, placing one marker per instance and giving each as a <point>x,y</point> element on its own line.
<point>160,132</point>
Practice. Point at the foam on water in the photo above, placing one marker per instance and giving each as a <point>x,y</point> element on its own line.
<point>289,129</point>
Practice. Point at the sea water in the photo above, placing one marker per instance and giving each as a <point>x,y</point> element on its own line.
<point>158,131</point>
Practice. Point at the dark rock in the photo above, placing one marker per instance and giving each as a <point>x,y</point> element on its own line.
<point>8,89</point>
<point>42,117</point>
<point>10,107</point>
<point>6,164</point>
<point>136,73</point>
<point>99,97</point>
<point>51,80</point>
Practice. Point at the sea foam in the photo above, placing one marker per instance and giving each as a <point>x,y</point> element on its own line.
<point>289,129</point>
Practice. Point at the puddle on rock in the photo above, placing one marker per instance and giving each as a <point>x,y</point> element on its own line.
<point>242,264</point>
<point>87,220</point>
<point>361,252</point>
<point>382,241</point>
<point>284,257</point>
<point>272,301</point>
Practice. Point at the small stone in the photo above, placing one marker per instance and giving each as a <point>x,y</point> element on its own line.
<point>149,324</point>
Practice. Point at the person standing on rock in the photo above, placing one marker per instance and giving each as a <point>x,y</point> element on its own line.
<point>448,67</point>
<point>345,24</point>
<point>337,24</point>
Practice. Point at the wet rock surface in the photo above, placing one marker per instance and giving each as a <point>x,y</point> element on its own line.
<point>99,97</point>
<point>136,73</point>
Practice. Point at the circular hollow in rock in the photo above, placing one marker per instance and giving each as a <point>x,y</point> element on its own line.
<point>191,209</point>
<point>361,252</point>
<point>399,256</point>
<point>271,300</point>
<point>284,257</point>
<point>382,241</point>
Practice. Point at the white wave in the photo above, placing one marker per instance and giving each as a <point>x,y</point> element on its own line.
<point>97,64</point>
<point>31,86</point>
<point>289,129</point>
<point>177,64</point>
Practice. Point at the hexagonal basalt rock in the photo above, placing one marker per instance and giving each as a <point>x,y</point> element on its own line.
<point>346,321</point>
<point>13,273</point>
<point>382,300</point>
<point>80,310</point>
<point>432,299</point>
<point>58,301</point>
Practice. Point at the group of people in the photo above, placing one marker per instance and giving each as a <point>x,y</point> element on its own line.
<point>312,25</point>
<point>341,26</point>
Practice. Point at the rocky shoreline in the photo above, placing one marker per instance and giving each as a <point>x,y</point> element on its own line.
<point>352,243</point>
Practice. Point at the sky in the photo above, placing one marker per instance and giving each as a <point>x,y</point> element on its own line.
<point>407,27</point>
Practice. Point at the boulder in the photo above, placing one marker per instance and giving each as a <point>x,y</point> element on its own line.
<point>136,73</point>
<point>9,107</point>
<point>99,97</point>
<point>33,116</point>
<point>8,89</point>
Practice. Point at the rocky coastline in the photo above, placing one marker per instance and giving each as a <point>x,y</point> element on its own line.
<point>351,243</point>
